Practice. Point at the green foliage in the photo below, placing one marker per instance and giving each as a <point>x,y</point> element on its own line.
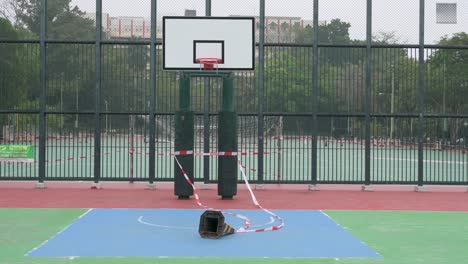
<point>63,20</point>
<point>334,32</point>
<point>447,85</point>
<point>287,71</point>
<point>18,69</point>
<point>7,31</point>
<point>70,68</point>
<point>286,81</point>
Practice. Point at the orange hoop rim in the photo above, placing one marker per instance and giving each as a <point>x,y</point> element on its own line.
<point>208,63</point>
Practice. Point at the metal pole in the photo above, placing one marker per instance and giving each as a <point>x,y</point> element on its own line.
<point>279,139</point>
<point>368,92</point>
<point>444,109</point>
<point>421,94</point>
<point>315,92</point>
<point>132,145</point>
<point>184,139</point>
<point>207,7</point>
<point>261,88</point>
<point>61,105</point>
<point>77,108</point>
<point>153,87</point>
<point>43,79</point>
<point>392,103</point>
<point>206,131</point>
<point>184,92</point>
<point>107,111</point>
<point>206,116</point>
<point>227,141</point>
<point>97,116</point>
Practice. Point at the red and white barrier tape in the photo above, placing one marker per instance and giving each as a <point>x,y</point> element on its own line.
<point>212,154</point>
<point>191,152</point>
<point>77,158</point>
<point>247,223</point>
<point>199,203</point>
<point>133,152</point>
<point>255,201</point>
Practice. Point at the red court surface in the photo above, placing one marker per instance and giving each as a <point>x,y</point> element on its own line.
<point>274,196</point>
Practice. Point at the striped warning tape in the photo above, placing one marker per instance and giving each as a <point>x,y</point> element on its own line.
<point>219,153</point>
<point>133,152</point>
<point>212,154</point>
<point>76,158</point>
<point>256,203</point>
<point>247,222</point>
<point>183,152</point>
<point>199,203</point>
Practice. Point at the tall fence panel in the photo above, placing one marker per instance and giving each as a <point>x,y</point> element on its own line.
<point>373,92</point>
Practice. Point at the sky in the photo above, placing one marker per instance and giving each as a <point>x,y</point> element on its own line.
<point>398,16</point>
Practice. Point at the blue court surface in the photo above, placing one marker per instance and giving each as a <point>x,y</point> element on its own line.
<point>174,233</point>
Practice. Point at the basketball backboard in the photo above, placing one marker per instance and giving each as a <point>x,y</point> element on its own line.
<point>186,39</point>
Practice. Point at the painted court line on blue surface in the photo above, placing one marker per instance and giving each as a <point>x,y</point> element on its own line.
<point>173,233</point>
<point>61,231</point>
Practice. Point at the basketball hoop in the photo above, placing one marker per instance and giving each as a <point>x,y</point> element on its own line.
<point>208,64</point>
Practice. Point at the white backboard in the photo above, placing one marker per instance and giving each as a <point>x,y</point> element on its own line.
<point>186,39</point>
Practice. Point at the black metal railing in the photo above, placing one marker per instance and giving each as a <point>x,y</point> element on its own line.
<point>362,112</point>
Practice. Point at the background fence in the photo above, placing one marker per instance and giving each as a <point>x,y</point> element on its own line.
<point>374,92</point>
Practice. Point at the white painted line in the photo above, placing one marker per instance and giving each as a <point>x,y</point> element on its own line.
<point>344,228</point>
<point>140,220</point>
<point>68,226</point>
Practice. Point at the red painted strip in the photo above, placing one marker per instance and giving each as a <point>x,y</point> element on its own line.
<point>125,195</point>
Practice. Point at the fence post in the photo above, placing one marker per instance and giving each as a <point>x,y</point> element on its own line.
<point>367,175</point>
<point>421,96</point>
<point>207,7</point>
<point>227,141</point>
<point>261,88</point>
<point>184,139</point>
<point>43,79</point>
<point>315,93</point>
<point>153,83</point>
<point>206,116</point>
<point>97,116</point>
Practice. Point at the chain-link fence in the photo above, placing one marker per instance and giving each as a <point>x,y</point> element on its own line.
<point>368,91</point>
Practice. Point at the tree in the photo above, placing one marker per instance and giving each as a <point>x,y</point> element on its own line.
<point>9,65</point>
<point>335,32</point>
<point>447,87</point>
<point>18,76</point>
<point>16,72</point>
<point>70,68</point>
<point>64,21</point>
<point>9,10</point>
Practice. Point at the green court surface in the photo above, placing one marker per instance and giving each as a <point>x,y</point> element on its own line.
<point>399,236</point>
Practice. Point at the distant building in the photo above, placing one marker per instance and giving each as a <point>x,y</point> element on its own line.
<point>277,28</point>
<point>124,27</point>
<point>129,27</point>
<point>92,16</point>
<point>280,29</point>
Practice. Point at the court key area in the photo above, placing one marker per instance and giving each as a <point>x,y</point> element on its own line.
<point>174,233</point>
